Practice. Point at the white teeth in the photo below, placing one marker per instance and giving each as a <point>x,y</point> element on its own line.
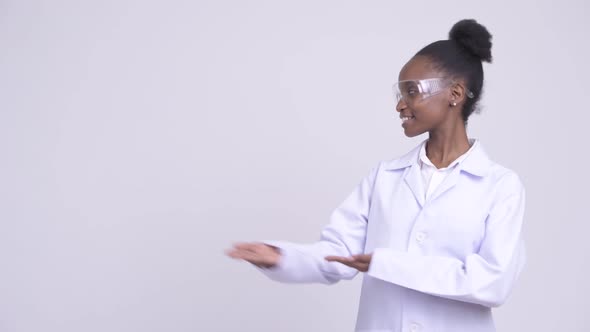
<point>406,118</point>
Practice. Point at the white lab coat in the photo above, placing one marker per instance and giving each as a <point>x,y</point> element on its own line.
<point>439,264</point>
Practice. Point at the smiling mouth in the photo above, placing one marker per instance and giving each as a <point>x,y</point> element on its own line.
<point>407,118</point>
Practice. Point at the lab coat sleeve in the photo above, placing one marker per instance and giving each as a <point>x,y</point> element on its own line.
<point>344,235</point>
<point>485,277</point>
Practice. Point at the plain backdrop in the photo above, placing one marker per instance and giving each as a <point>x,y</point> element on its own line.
<point>140,139</point>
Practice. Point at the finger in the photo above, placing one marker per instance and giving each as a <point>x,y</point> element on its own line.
<point>239,252</point>
<point>339,259</point>
<point>362,267</point>
<point>356,265</point>
<point>233,253</point>
<point>247,256</point>
<point>349,264</point>
<point>350,261</point>
<point>250,246</point>
<point>342,260</point>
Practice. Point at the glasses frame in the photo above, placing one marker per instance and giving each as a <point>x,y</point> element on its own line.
<point>424,85</point>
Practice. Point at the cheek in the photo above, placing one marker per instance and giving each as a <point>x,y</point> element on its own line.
<point>438,105</point>
<point>430,112</point>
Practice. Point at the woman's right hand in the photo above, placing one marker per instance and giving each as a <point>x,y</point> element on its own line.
<point>259,254</point>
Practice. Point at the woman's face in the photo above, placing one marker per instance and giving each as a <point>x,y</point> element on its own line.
<point>424,115</point>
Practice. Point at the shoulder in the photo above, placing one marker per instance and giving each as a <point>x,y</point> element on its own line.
<point>506,181</point>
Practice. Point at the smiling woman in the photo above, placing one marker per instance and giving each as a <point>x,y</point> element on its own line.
<point>437,231</point>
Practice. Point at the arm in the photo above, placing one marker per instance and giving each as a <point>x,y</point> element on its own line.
<point>343,236</point>
<point>485,277</point>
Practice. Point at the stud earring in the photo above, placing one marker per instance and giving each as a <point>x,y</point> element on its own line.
<point>454,104</point>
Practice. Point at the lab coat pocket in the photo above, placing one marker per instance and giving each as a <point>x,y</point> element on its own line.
<point>458,232</point>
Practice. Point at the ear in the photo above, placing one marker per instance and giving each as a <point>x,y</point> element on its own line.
<point>458,94</point>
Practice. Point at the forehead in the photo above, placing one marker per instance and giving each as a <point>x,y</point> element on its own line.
<point>418,68</point>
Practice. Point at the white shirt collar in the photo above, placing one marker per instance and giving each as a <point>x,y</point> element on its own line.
<point>423,158</point>
<point>478,163</point>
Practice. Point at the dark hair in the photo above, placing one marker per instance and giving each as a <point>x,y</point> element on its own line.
<point>461,56</point>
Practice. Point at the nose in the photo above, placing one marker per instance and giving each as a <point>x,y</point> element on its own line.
<point>401,105</point>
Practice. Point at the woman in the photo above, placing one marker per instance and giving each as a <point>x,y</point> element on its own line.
<point>438,230</point>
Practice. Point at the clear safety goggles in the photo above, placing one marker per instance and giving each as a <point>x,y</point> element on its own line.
<point>412,91</point>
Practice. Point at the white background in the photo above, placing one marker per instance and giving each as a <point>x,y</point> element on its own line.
<point>139,139</point>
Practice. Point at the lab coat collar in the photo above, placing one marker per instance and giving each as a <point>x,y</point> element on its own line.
<point>476,163</point>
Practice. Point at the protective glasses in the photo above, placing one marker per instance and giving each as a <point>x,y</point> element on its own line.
<point>412,91</point>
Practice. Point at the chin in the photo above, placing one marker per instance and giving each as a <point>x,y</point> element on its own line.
<point>411,133</point>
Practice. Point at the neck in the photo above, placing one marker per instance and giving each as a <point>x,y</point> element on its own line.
<point>447,144</point>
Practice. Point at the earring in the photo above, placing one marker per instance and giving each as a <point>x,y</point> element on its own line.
<point>453,104</point>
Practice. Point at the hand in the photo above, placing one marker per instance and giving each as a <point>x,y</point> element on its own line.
<point>359,262</point>
<point>259,254</point>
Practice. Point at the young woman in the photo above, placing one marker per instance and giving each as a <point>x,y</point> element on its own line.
<point>436,231</point>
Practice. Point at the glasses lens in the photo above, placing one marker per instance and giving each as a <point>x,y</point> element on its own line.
<point>409,91</point>
<point>415,90</point>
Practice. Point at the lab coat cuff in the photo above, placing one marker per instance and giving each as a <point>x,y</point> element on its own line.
<point>385,265</point>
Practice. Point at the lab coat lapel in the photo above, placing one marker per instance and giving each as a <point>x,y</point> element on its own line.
<point>414,180</point>
<point>477,163</point>
<point>412,173</point>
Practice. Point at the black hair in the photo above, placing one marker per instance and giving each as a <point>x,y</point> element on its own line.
<point>461,56</point>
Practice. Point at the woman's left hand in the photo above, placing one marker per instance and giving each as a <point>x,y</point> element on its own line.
<point>359,262</point>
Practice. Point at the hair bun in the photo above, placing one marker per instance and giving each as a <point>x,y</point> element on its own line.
<point>474,38</point>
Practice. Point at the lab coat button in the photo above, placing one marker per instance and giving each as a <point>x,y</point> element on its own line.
<point>420,237</point>
<point>414,327</point>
